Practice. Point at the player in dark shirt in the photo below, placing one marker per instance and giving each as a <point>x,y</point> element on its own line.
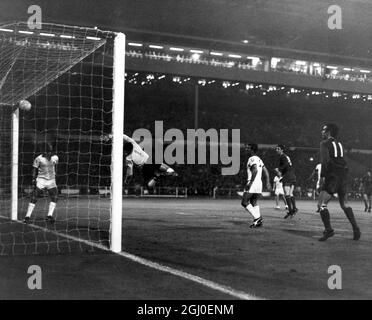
<point>334,175</point>
<point>289,180</point>
<point>366,189</point>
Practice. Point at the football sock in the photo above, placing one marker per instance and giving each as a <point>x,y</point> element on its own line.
<point>252,211</point>
<point>324,214</point>
<point>293,202</point>
<point>257,210</point>
<point>30,208</point>
<point>52,206</point>
<point>350,215</point>
<point>285,202</point>
<point>289,203</point>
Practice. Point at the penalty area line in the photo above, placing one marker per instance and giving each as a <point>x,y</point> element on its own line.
<point>157,266</point>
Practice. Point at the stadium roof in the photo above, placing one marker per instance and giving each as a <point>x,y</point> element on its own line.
<point>299,25</point>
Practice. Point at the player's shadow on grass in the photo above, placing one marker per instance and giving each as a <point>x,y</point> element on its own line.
<point>239,222</point>
<point>302,233</point>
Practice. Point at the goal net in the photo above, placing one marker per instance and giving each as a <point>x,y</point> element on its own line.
<point>74,79</point>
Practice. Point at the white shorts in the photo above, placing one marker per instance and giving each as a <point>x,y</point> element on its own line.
<point>256,187</point>
<point>279,192</point>
<point>42,183</point>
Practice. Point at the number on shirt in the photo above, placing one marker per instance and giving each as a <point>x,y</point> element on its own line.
<point>337,149</point>
<point>289,161</point>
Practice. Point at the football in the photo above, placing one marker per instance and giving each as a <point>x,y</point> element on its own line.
<point>24,105</point>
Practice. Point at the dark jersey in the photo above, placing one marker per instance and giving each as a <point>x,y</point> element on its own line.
<point>286,168</point>
<point>367,182</point>
<point>336,161</point>
<point>285,165</point>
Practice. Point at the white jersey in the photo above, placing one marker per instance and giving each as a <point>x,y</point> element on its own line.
<point>256,185</point>
<point>46,168</point>
<point>318,169</point>
<point>138,156</point>
<point>278,185</point>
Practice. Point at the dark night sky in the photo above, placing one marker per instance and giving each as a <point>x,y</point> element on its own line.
<point>295,24</point>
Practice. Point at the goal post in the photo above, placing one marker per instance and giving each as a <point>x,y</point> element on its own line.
<point>117,143</point>
<point>15,150</point>
<point>74,78</point>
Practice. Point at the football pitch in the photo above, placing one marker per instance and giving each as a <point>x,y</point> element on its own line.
<point>197,249</point>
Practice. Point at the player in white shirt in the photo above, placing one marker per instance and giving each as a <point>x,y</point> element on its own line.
<point>253,189</point>
<point>318,170</point>
<point>135,155</point>
<point>278,190</point>
<point>44,177</point>
<point>317,173</point>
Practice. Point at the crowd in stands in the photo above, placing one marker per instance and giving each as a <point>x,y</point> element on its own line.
<point>294,121</point>
<point>242,64</point>
<point>347,77</point>
<point>291,119</point>
<point>181,58</point>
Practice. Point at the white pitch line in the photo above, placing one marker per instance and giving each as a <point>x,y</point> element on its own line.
<point>157,266</point>
<point>185,213</point>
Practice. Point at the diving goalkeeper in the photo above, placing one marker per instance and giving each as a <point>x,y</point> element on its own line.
<point>135,155</point>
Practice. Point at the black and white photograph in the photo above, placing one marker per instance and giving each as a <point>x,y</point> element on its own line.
<point>186,155</point>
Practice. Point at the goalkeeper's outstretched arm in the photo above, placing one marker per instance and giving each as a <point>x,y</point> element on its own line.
<point>133,142</point>
<point>126,138</point>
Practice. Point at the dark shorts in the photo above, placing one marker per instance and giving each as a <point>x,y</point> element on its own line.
<point>336,182</point>
<point>367,191</point>
<point>250,198</point>
<point>149,171</point>
<point>289,180</point>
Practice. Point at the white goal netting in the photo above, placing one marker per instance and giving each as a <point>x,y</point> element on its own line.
<point>67,75</point>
